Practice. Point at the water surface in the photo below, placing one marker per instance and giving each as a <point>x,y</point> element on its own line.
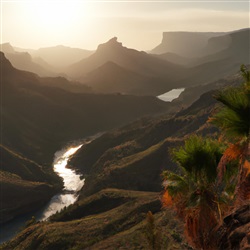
<point>171,95</point>
<point>72,184</point>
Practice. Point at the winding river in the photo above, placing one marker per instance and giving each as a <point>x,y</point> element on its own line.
<point>72,184</point>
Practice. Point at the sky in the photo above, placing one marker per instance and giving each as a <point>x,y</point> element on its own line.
<point>137,24</point>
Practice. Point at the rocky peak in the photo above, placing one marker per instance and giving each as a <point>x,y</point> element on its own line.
<point>112,44</point>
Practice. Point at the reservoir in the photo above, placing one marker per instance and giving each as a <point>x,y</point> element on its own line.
<point>171,95</point>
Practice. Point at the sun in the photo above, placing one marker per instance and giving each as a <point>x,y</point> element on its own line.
<point>54,15</point>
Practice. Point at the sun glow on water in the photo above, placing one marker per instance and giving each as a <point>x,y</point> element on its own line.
<point>72,181</point>
<point>171,95</point>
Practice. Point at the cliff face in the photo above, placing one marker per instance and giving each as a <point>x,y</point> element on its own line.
<point>234,233</point>
<point>188,44</point>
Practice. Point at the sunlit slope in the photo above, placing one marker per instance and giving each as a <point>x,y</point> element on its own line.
<point>112,218</point>
<point>25,185</point>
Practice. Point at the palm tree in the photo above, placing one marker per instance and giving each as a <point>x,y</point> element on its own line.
<point>196,194</point>
<point>234,121</point>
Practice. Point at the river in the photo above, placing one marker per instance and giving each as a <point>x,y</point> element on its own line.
<point>72,184</point>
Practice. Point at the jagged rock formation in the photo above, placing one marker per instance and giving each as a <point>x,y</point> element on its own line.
<point>234,234</point>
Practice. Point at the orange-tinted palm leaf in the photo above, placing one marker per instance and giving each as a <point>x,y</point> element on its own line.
<point>167,199</point>
<point>233,152</point>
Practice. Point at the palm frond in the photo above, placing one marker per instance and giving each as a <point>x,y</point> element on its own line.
<point>228,165</point>
<point>199,157</point>
<point>234,116</point>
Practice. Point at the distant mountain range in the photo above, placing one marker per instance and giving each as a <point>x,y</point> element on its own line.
<point>185,43</point>
<point>139,72</point>
<point>183,59</point>
<point>58,56</point>
<point>44,105</point>
<point>216,56</point>
<point>137,61</point>
<point>24,61</point>
<point>195,48</point>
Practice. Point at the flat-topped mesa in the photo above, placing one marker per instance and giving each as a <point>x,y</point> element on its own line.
<point>184,43</point>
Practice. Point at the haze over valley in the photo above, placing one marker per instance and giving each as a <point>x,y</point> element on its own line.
<point>99,103</point>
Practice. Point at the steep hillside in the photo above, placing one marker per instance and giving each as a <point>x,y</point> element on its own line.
<point>112,78</point>
<point>25,185</point>
<point>176,58</point>
<point>134,157</point>
<point>24,61</point>
<point>110,219</point>
<point>20,196</point>
<point>191,94</point>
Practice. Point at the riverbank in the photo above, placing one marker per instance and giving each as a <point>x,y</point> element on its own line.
<point>72,184</point>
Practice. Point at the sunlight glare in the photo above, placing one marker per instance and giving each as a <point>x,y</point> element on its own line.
<point>56,15</point>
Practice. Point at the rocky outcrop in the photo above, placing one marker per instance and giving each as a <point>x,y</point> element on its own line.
<point>234,234</point>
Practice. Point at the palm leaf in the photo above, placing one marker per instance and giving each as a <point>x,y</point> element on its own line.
<point>234,116</point>
<point>199,157</point>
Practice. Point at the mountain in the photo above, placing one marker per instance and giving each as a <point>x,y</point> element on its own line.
<point>24,61</point>
<point>130,152</point>
<point>110,219</point>
<point>38,120</point>
<point>115,68</point>
<point>112,78</point>
<point>231,46</point>
<point>237,52</point>
<point>59,81</point>
<point>122,183</point>
<point>139,72</point>
<point>49,110</point>
<point>60,56</point>
<point>191,94</point>
<point>122,170</point>
<point>7,48</point>
<point>130,59</point>
<point>25,185</point>
<point>184,43</point>
<point>175,58</point>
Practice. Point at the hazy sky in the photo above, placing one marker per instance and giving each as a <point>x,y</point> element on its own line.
<point>137,24</point>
